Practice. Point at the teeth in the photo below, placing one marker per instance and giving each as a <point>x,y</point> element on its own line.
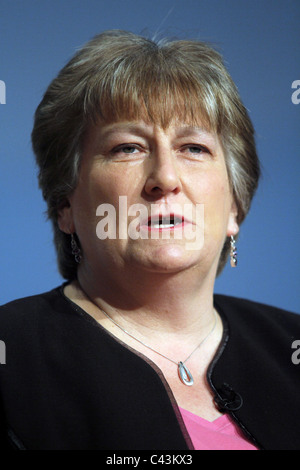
<point>163,225</point>
<point>165,222</point>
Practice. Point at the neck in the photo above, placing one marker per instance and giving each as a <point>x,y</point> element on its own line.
<point>167,302</point>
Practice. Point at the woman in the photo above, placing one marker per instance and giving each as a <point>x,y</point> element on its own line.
<point>148,165</point>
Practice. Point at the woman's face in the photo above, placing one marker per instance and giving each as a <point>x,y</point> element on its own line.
<point>178,178</point>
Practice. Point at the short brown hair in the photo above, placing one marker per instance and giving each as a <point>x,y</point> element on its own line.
<point>119,75</point>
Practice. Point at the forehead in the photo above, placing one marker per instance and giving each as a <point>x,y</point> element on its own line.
<point>114,133</point>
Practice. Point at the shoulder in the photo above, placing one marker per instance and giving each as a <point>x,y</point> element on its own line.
<point>31,301</point>
<point>29,310</point>
<point>251,314</point>
<point>260,336</point>
<point>246,304</point>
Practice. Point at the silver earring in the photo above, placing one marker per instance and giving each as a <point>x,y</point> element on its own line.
<point>233,252</point>
<point>76,251</point>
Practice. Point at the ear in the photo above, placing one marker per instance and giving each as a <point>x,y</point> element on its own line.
<point>233,227</point>
<point>65,219</point>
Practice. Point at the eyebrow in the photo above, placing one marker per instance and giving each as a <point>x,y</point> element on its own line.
<point>124,127</point>
<point>188,130</point>
<point>142,129</point>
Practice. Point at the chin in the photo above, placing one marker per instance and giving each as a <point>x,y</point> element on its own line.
<point>168,258</point>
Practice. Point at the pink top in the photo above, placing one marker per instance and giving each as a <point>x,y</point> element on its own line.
<point>220,434</point>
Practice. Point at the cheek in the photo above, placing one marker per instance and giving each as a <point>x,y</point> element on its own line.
<point>94,189</point>
<point>107,184</point>
<point>217,200</point>
<point>212,188</point>
<point>101,187</point>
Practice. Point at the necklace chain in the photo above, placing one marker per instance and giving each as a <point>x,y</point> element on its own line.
<point>184,374</point>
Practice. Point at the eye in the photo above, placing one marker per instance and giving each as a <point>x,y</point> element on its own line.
<point>128,149</point>
<point>196,150</point>
<point>127,152</point>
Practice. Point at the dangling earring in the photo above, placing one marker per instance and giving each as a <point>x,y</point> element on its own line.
<point>76,251</point>
<point>233,252</point>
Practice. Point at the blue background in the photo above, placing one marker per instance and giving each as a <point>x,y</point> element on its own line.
<point>260,41</point>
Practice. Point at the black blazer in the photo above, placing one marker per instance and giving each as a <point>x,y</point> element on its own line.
<point>68,384</point>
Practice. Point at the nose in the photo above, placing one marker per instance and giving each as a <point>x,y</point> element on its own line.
<point>163,177</point>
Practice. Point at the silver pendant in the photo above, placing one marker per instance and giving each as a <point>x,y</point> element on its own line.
<point>185,375</point>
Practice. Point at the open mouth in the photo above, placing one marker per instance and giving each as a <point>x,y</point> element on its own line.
<point>165,222</point>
